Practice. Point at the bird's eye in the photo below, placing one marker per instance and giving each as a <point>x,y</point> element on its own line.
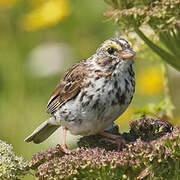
<point>111,50</point>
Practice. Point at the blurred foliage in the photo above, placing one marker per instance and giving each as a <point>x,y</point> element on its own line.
<point>81,27</point>
<point>150,81</point>
<point>151,151</point>
<point>6,4</point>
<point>45,13</point>
<point>155,110</point>
<point>161,16</point>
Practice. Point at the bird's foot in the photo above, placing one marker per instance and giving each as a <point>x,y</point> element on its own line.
<point>118,141</point>
<point>113,139</point>
<point>64,149</point>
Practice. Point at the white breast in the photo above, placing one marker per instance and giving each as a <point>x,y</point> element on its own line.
<point>97,105</point>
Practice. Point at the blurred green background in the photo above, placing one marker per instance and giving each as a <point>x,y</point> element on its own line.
<point>39,40</point>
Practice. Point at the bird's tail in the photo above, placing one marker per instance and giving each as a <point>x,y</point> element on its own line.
<point>43,131</point>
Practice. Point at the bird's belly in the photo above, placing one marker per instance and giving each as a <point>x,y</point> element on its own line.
<point>91,122</point>
<point>95,108</point>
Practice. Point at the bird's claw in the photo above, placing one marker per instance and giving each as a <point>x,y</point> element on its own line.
<point>119,141</point>
<point>63,148</point>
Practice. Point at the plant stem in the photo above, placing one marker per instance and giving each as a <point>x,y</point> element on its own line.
<point>167,93</point>
<point>170,59</point>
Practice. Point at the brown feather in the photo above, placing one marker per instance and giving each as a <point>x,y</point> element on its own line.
<point>68,87</point>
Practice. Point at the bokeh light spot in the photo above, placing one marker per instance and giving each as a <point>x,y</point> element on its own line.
<point>150,81</point>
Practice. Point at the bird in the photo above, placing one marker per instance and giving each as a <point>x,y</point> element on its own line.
<point>92,94</point>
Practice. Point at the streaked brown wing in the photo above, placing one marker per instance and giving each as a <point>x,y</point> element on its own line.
<point>68,87</point>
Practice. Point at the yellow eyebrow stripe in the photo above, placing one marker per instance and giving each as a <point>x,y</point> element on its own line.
<point>113,45</point>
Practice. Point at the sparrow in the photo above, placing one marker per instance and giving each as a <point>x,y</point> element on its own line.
<point>92,94</point>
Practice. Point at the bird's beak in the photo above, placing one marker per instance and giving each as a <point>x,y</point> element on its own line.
<point>127,54</point>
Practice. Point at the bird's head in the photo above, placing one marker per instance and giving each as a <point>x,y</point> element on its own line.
<point>115,48</point>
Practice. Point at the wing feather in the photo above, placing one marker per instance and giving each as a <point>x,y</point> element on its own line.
<point>68,87</point>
